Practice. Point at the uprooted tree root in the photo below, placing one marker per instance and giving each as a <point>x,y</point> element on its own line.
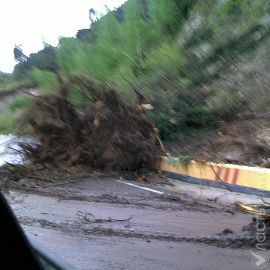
<point>105,133</point>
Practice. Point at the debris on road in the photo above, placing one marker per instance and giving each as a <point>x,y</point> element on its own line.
<point>88,217</point>
<point>258,209</point>
<point>104,132</point>
<point>260,225</point>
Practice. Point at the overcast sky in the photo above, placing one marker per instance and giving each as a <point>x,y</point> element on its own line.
<point>30,22</point>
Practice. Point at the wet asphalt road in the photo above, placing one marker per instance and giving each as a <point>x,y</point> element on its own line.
<point>104,224</point>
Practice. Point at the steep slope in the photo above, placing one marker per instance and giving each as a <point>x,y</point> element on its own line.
<point>199,63</point>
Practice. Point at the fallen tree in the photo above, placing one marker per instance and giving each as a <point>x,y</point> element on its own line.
<point>105,133</point>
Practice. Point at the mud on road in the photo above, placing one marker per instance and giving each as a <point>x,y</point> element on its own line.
<point>102,223</point>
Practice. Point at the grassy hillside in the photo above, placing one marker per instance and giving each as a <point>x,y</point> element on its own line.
<point>196,62</point>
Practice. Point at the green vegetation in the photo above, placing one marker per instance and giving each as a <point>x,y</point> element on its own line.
<point>8,124</point>
<point>43,60</point>
<point>4,80</point>
<point>19,103</point>
<point>43,80</point>
<point>179,55</point>
<point>178,162</point>
<point>14,108</point>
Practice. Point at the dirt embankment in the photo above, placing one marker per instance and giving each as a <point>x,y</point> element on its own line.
<point>246,141</point>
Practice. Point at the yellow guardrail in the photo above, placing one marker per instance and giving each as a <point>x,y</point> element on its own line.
<point>252,177</point>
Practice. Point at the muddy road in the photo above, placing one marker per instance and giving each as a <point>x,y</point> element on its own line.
<point>104,223</point>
